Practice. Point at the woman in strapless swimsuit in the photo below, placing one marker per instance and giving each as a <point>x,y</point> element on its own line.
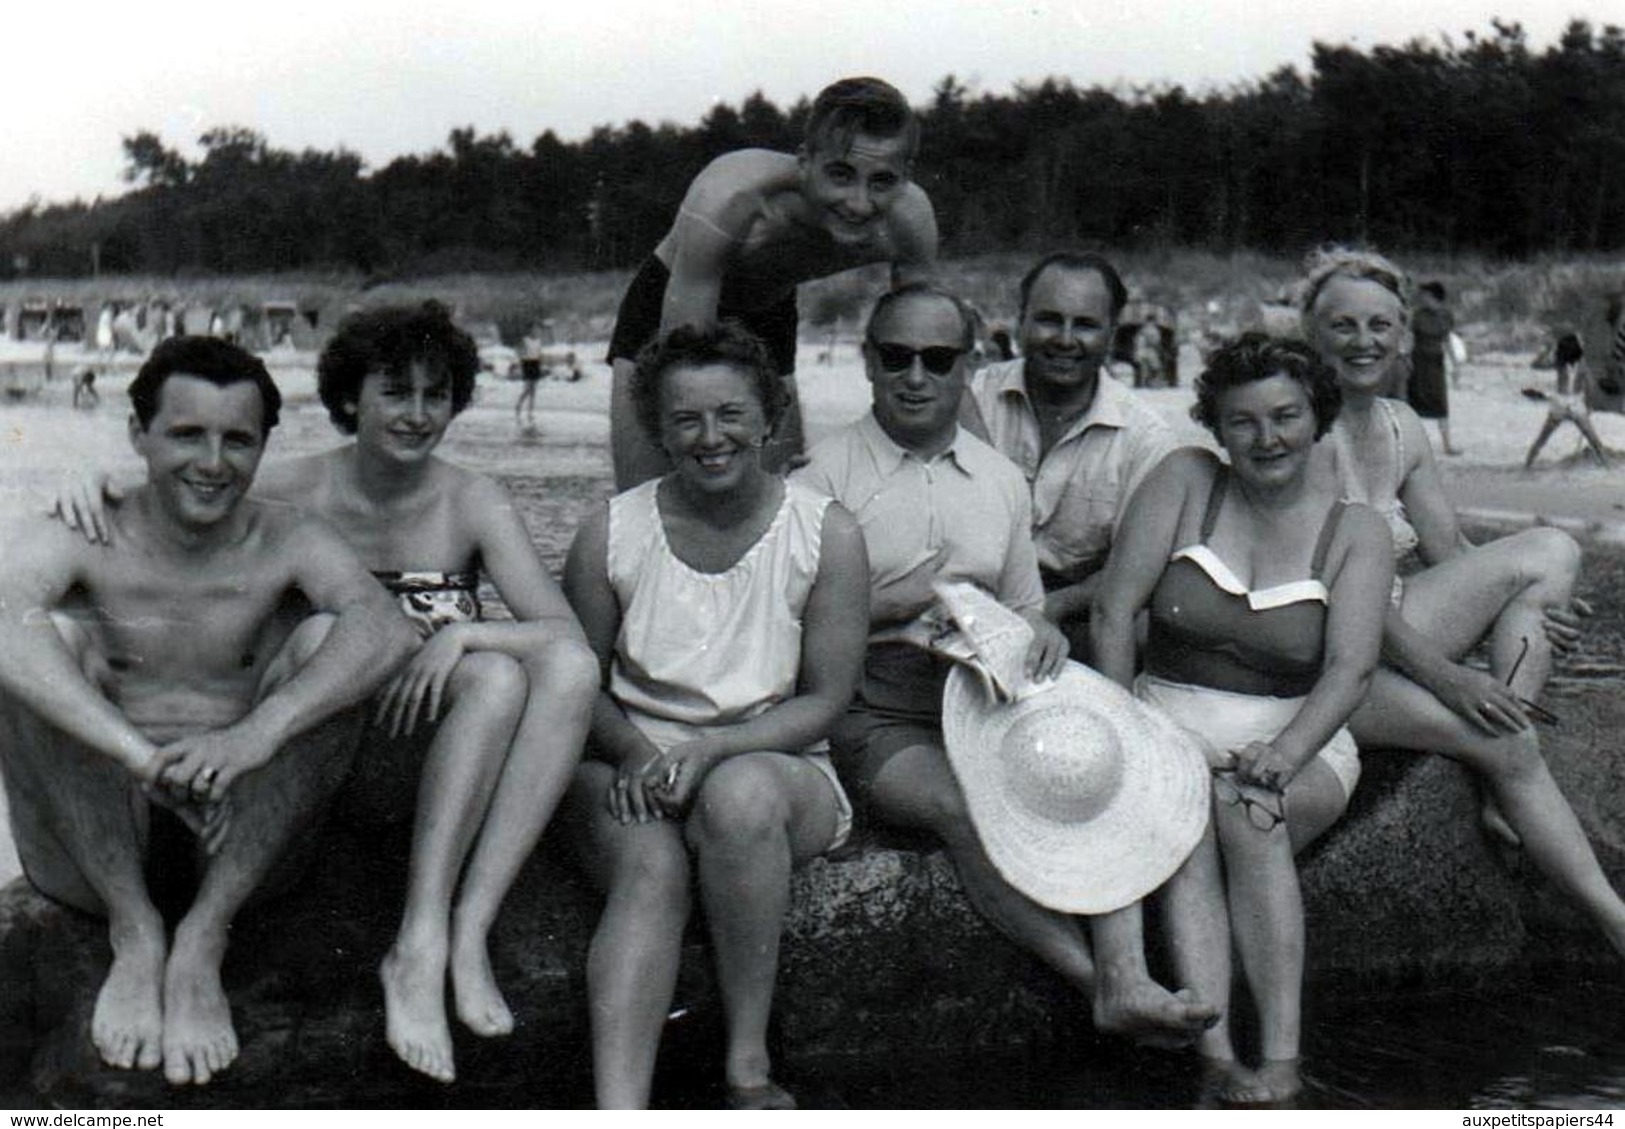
<point>1516,591</point>
<point>498,710</point>
<point>512,697</point>
<point>1265,591</point>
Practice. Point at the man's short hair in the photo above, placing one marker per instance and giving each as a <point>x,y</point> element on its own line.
<point>388,340</point>
<point>1257,356</point>
<point>861,105</point>
<point>727,343</point>
<point>208,358</point>
<point>967,316</point>
<point>1433,287</point>
<point>1077,261</point>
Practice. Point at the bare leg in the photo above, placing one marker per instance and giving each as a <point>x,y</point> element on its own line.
<point>1547,426</point>
<point>561,684</point>
<point>1589,430</point>
<point>1128,1001</point>
<point>755,817</point>
<point>1266,919</point>
<point>1401,714</point>
<point>915,788</point>
<point>486,692</point>
<point>1198,923</point>
<point>636,457</point>
<point>632,964</point>
<point>80,826</point>
<point>271,806</point>
<point>1501,588</point>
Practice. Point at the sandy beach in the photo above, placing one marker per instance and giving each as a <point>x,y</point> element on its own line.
<point>564,470</point>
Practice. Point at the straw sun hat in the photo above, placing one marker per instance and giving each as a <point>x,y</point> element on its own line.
<point>1085,798</point>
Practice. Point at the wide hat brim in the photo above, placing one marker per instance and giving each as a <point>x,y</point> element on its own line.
<point>1124,850</point>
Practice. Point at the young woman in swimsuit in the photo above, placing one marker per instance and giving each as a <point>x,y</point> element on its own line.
<point>1516,591</point>
<point>1567,403</point>
<point>512,698</point>
<point>729,610</point>
<point>1265,593</point>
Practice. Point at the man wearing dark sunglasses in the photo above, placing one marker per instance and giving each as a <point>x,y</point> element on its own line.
<point>1081,438</point>
<point>755,224</point>
<point>935,502</point>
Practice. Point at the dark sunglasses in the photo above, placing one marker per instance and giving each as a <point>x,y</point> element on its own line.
<point>939,360</point>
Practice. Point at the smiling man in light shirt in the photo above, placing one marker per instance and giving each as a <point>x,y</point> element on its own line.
<point>1083,441</point>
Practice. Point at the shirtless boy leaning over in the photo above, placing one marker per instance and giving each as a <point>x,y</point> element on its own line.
<point>754,224</point>
<point>157,670</point>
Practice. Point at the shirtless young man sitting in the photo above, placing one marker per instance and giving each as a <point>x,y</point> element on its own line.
<point>756,223</point>
<point>158,670</point>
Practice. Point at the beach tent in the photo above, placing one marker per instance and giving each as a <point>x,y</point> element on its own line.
<point>41,319</point>
<point>283,325</point>
<point>32,320</point>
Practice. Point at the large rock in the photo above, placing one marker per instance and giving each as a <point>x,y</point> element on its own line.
<point>882,953</point>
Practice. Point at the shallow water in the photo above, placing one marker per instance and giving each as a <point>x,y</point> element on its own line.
<point>1525,1044</point>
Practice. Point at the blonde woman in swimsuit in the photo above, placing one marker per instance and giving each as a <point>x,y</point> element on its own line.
<point>1516,591</point>
<point>512,698</point>
<point>1265,591</point>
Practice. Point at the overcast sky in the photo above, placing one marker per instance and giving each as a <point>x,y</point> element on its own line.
<point>388,78</point>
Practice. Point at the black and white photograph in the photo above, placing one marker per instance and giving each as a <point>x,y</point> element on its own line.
<point>945,555</point>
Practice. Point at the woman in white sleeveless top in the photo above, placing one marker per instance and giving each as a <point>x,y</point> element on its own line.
<point>728,610</point>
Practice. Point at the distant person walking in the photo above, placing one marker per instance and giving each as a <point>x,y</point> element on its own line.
<point>1429,391</point>
<point>530,372</point>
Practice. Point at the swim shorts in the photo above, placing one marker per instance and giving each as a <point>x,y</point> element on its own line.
<point>638,321</point>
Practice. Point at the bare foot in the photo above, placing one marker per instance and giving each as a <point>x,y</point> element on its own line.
<point>415,1013</point>
<point>1148,1013</point>
<point>128,1023</point>
<point>1281,1079</point>
<point>199,1040</point>
<point>479,1001</point>
<point>1243,1088</point>
<point>766,1095</point>
<point>1222,1080</point>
